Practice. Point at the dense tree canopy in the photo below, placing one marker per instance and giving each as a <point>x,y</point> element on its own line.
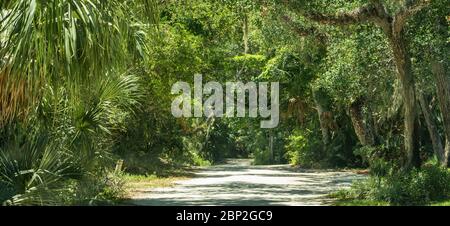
<point>364,83</point>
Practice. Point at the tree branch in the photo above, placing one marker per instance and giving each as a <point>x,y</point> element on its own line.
<point>356,16</point>
<point>302,31</point>
<point>410,8</point>
<point>372,12</point>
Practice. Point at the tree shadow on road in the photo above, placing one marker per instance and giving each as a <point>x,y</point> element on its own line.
<point>306,188</point>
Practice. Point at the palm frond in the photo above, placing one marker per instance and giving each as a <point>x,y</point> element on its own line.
<point>31,167</point>
<point>61,40</point>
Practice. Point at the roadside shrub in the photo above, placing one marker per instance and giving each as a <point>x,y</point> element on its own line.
<point>304,150</point>
<point>262,156</point>
<point>379,158</point>
<point>102,189</point>
<point>418,186</point>
<point>197,160</point>
<point>401,187</point>
<point>34,169</point>
<point>260,148</point>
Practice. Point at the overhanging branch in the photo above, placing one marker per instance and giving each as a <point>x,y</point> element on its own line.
<point>373,12</point>
<point>360,15</point>
<point>303,31</point>
<point>410,8</point>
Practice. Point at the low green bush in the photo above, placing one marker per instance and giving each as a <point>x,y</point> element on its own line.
<point>103,189</point>
<point>303,150</point>
<point>419,186</point>
<point>262,156</point>
<point>403,187</point>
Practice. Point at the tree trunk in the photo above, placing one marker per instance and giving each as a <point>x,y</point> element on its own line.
<point>362,129</point>
<point>443,95</point>
<point>432,129</point>
<point>393,27</point>
<point>272,157</point>
<point>245,34</point>
<point>447,153</point>
<point>322,111</point>
<point>405,75</point>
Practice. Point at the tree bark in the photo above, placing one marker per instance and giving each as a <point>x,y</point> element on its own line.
<point>406,78</point>
<point>432,129</point>
<point>272,157</point>
<point>362,129</point>
<point>321,107</point>
<point>245,34</point>
<point>447,153</point>
<point>322,111</point>
<point>442,81</point>
<point>393,27</point>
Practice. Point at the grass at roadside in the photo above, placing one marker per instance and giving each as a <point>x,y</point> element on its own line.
<point>427,186</point>
<point>150,181</point>
<point>441,203</point>
<point>133,182</point>
<point>362,202</point>
<point>356,202</point>
<point>341,199</point>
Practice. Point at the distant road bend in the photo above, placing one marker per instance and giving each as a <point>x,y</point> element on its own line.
<point>239,183</point>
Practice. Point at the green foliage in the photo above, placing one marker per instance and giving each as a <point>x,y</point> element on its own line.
<point>220,143</point>
<point>305,150</point>
<point>84,83</point>
<point>104,189</point>
<point>379,158</point>
<point>399,187</point>
<point>65,143</point>
<point>32,169</point>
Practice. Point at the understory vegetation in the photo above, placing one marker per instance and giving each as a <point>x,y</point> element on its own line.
<point>85,94</point>
<point>397,187</point>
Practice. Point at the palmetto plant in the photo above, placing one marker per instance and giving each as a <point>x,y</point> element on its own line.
<point>68,139</point>
<point>97,117</point>
<point>65,77</point>
<point>32,169</point>
<point>64,40</point>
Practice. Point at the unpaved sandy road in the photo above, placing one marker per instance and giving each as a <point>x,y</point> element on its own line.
<point>239,183</point>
